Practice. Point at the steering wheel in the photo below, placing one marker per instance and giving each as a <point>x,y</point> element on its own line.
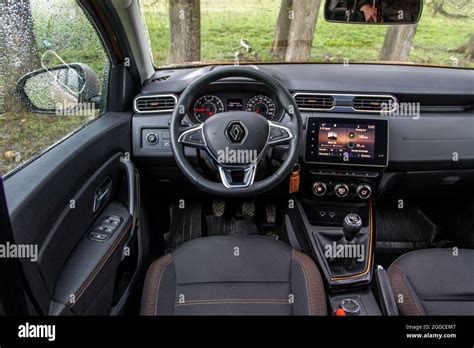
<point>236,140</point>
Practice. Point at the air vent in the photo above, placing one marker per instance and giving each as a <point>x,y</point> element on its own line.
<point>160,78</point>
<point>310,102</point>
<point>373,103</point>
<point>155,103</point>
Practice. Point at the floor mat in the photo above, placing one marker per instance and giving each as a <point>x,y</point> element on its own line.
<point>236,218</point>
<point>229,226</point>
<point>186,223</point>
<point>422,225</point>
<point>408,228</point>
<point>402,230</point>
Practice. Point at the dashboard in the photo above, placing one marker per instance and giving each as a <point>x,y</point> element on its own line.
<point>426,142</point>
<point>346,154</point>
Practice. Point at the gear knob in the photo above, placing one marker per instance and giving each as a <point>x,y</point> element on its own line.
<point>351,226</point>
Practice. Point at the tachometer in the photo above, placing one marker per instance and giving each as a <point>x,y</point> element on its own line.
<point>262,105</point>
<point>207,106</point>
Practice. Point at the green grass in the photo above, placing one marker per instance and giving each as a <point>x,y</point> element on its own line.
<point>224,23</point>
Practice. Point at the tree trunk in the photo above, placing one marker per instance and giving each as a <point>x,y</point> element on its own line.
<point>398,43</point>
<point>185,31</point>
<point>437,6</point>
<point>20,56</point>
<point>282,29</point>
<point>467,49</point>
<point>300,37</point>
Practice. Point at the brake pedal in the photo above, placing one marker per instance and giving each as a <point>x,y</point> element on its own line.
<point>248,210</point>
<point>218,207</point>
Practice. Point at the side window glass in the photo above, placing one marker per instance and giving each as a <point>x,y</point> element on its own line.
<point>53,68</point>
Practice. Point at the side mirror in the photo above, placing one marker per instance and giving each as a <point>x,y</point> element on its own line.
<point>387,12</point>
<point>59,88</point>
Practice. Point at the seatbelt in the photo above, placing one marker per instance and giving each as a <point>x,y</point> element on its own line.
<point>13,285</point>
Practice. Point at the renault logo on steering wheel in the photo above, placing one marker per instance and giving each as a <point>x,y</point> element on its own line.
<point>236,132</point>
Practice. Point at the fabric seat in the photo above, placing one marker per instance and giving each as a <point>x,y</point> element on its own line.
<point>434,282</point>
<point>234,275</point>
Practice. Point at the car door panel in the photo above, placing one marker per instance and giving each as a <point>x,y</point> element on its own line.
<point>51,202</point>
<point>68,229</point>
<point>91,267</point>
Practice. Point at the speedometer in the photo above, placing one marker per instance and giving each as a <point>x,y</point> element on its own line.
<point>207,106</point>
<point>262,105</point>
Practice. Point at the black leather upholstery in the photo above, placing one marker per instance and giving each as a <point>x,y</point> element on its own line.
<point>240,275</point>
<point>434,282</point>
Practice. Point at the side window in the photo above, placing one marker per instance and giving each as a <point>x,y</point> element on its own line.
<point>53,68</point>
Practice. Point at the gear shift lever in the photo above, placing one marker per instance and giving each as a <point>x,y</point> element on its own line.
<point>351,226</point>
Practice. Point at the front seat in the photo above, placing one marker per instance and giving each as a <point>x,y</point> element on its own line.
<point>434,282</point>
<point>234,275</point>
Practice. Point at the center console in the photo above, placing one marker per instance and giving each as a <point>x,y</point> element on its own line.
<point>343,165</point>
<point>344,157</point>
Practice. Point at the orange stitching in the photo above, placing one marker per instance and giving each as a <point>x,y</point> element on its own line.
<point>158,286</point>
<point>305,281</point>
<point>232,301</point>
<point>94,273</point>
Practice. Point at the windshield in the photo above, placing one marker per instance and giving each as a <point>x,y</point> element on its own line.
<point>193,32</point>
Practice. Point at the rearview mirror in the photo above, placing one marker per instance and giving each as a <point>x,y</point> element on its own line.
<point>373,11</point>
<point>59,88</point>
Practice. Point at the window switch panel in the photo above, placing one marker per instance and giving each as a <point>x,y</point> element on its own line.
<point>105,229</point>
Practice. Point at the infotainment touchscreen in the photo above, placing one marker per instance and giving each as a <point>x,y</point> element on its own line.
<point>347,141</point>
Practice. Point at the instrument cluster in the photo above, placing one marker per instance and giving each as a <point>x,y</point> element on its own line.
<point>209,105</point>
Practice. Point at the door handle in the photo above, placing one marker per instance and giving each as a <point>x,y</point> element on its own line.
<point>102,194</point>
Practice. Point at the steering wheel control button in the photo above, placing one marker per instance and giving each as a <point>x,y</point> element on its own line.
<point>236,132</point>
<point>364,191</point>
<point>193,137</point>
<point>341,190</point>
<point>350,307</point>
<point>279,134</point>
<point>276,134</point>
<point>152,139</point>
<point>319,188</point>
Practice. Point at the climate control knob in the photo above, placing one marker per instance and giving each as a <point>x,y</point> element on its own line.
<point>364,191</point>
<point>319,188</point>
<point>341,190</point>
